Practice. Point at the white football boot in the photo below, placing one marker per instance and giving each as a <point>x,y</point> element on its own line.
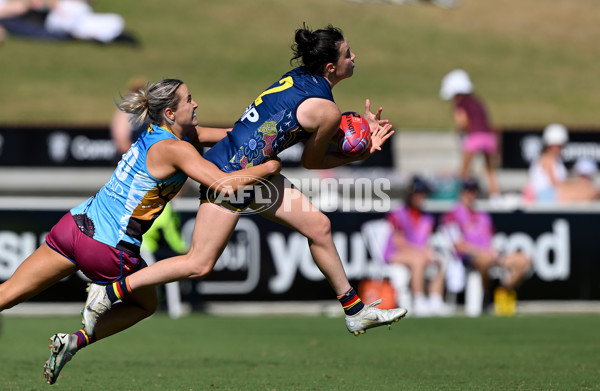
<point>62,349</point>
<point>97,303</point>
<point>370,317</point>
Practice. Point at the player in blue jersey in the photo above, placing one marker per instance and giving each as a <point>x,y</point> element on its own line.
<point>299,106</point>
<point>102,236</point>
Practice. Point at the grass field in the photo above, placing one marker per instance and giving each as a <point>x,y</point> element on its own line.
<point>202,352</point>
<point>534,61</point>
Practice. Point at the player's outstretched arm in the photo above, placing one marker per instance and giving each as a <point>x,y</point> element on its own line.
<point>206,137</point>
<point>187,159</point>
<point>211,135</point>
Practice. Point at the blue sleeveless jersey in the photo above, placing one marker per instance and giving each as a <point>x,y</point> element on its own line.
<point>127,205</point>
<point>269,125</point>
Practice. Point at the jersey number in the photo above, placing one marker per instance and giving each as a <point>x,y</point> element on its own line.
<point>286,83</point>
<point>126,163</point>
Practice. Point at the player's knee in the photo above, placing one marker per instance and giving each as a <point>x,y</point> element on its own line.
<point>199,271</point>
<point>320,227</point>
<point>198,262</point>
<point>201,266</point>
<point>4,306</point>
<point>150,307</point>
<point>8,299</point>
<point>3,302</point>
<point>149,303</point>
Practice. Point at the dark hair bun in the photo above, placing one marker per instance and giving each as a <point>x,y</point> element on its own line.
<point>314,49</point>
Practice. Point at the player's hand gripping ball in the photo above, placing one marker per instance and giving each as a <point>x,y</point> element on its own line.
<point>354,135</point>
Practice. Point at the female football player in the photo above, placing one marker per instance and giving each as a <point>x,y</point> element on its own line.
<point>102,236</point>
<point>299,106</point>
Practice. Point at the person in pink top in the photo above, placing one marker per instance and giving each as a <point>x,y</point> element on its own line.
<point>472,231</point>
<point>471,118</point>
<point>409,245</point>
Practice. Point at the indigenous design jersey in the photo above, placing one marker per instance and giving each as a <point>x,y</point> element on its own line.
<point>127,205</point>
<point>269,125</point>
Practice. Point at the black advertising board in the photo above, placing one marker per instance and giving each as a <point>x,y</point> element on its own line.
<point>73,146</point>
<point>267,262</point>
<point>522,146</point>
<point>56,146</point>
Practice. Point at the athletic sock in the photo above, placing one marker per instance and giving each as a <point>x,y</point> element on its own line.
<point>83,339</point>
<point>351,302</point>
<point>118,290</point>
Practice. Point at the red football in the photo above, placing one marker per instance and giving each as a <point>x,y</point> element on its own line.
<point>354,135</point>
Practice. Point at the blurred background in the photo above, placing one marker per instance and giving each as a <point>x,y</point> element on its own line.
<point>532,63</point>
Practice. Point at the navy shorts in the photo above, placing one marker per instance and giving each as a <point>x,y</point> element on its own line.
<point>236,204</point>
<point>243,198</point>
<point>99,262</point>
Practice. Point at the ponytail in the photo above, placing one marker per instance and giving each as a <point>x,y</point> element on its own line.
<point>148,104</point>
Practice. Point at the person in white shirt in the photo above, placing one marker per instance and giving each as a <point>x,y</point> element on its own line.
<point>549,178</point>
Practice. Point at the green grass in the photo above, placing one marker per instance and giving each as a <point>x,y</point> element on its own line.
<point>314,353</point>
<point>533,62</point>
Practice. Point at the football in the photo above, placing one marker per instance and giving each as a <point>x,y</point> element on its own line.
<point>354,135</point>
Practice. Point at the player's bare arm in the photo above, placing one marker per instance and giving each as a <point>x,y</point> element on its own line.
<point>169,156</point>
<point>207,137</point>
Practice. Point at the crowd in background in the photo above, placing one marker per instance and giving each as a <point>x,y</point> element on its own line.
<point>60,20</point>
<point>468,231</point>
<point>467,235</point>
<point>548,177</point>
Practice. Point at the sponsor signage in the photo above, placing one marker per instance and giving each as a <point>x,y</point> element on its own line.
<point>520,147</point>
<point>267,262</point>
<point>72,146</point>
<point>56,147</point>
